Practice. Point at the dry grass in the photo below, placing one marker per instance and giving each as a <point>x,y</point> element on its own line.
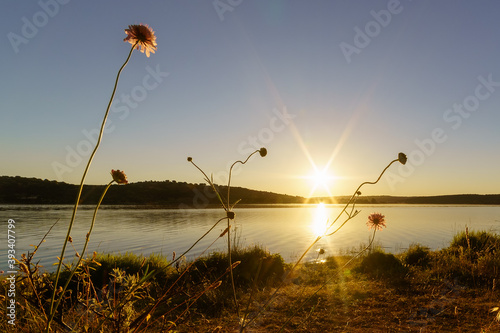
<point>358,305</point>
<point>452,290</point>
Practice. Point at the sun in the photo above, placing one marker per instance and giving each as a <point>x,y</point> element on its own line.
<point>321,180</point>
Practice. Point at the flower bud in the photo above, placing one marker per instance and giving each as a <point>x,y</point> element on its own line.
<point>224,232</point>
<point>263,151</point>
<point>215,285</point>
<point>233,266</point>
<point>402,158</point>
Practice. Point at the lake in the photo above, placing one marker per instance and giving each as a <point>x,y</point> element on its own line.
<point>287,230</point>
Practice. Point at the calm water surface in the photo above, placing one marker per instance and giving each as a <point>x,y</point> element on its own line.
<point>286,230</point>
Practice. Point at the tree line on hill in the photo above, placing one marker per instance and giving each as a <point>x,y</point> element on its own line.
<point>21,190</point>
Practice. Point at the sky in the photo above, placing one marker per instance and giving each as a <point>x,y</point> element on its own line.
<point>336,88</point>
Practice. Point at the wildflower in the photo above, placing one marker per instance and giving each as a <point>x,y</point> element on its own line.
<point>376,221</point>
<point>142,36</point>
<point>119,177</point>
<point>402,158</point>
<point>263,151</point>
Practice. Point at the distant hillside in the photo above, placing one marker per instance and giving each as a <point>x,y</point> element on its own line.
<point>20,190</point>
<point>456,199</point>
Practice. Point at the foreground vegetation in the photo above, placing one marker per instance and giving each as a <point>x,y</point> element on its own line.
<point>244,289</point>
<point>450,290</point>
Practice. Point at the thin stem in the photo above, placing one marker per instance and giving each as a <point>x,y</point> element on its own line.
<point>212,185</point>
<point>227,207</point>
<point>52,308</point>
<point>73,271</point>
<point>235,299</point>
<point>199,239</point>
<point>355,193</point>
<point>231,170</point>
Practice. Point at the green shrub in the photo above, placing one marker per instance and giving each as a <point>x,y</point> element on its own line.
<point>381,265</point>
<point>472,257</point>
<point>416,255</point>
<point>130,263</point>
<point>475,243</point>
<point>272,266</point>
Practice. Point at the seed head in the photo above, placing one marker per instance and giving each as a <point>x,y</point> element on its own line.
<point>233,266</point>
<point>402,158</point>
<point>215,285</point>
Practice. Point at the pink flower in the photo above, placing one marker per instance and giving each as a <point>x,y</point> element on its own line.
<point>376,221</point>
<point>119,177</point>
<point>143,35</point>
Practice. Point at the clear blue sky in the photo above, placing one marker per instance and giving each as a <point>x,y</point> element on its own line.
<point>360,81</point>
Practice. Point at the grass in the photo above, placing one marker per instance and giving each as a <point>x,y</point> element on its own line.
<point>449,290</point>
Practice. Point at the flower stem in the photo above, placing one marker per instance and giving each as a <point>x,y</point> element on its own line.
<point>58,272</point>
<point>229,256</point>
<point>73,271</point>
<point>230,172</point>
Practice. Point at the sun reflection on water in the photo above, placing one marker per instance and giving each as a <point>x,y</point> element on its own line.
<point>320,220</point>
